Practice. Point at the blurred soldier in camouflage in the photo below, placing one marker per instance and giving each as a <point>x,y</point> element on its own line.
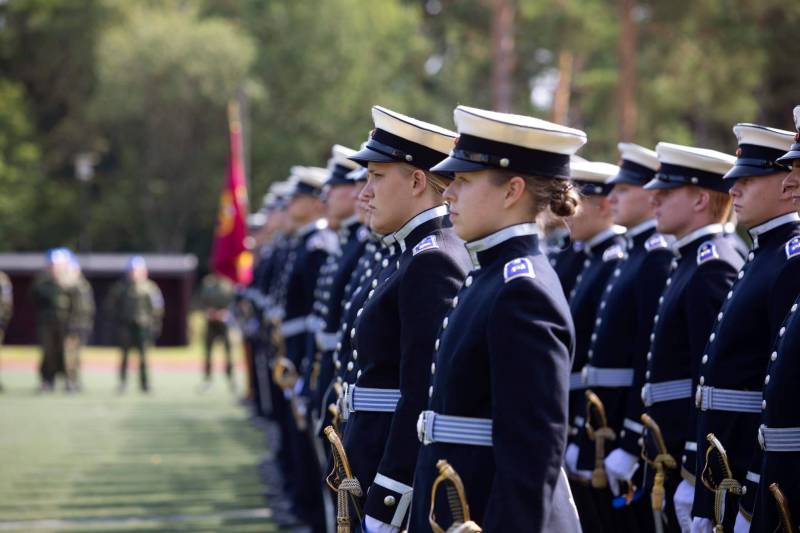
<point>6,307</point>
<point>216,296</point>
<point>138,307</point>
<point>79,324</point>
<point>51,301</point>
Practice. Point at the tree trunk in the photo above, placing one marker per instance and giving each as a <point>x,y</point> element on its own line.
<point>564,87</point>
<point>626,91</point>
<point>503,55</point>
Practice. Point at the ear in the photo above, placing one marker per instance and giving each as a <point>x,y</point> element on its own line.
<point>419,182</point>
<point>515,188</point>
<point>702,200</point>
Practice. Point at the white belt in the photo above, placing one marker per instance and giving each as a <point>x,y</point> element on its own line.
<point>433,427</point>
<point>607,377</point>
<point>327,341</point>
<point>779,439</point>
<point>301,324</point>
<point>366,399</point>
<point>576,381</point>
<point>665,391</point>
<point>713,399</point>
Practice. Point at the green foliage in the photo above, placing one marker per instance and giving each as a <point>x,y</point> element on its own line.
<point>145,85</point>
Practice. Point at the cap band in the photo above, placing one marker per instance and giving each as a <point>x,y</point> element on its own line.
<point>403,150</point>
<point>511,157</point>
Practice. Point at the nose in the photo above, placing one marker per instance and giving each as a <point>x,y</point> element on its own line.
<point>792,180</point>
<point>735,190</point>
<point>449,193</point>
<point>367,192</point>
<point>655,199</point>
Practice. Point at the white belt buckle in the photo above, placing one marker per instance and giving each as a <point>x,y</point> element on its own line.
<point>646,396</point>
<point>761,437</point>
<point>698,398</point>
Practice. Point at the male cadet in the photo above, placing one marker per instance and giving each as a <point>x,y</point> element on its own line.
<point>313,242</point>
<point>79,324</point>
<point>341,191</point>
<point>51,301</point>
<point>779,432</point>
<point>137,305</point>
<point>702,273</point>
<point>733,365</point>
<point>216,296</point>
<point>604,246</point>
<point>618,342</point>
<point>334,274</point>
<point>6,306</point>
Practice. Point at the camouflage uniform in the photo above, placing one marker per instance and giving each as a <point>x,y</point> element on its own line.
<point>138,308</point>
<point>79,326</point>
<point>216,295</point>
<point>6,306</point>
<point>51,300</point>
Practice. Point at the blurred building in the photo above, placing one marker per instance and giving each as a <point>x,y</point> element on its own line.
<point>174,275</point>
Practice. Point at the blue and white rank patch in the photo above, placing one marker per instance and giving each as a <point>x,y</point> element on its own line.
<point>428,243</point>
<point>518,268</point>
<point>615,251</point>
<point>707,252</point>
<point>793,248</point>
<point>656,242</point>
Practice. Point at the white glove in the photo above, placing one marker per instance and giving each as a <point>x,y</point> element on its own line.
<point>742,524</point>
<point>702,525</point>
<point>683,499</point>
<point>620,466</point>
<point>372,525</point>
<point>571,462</point>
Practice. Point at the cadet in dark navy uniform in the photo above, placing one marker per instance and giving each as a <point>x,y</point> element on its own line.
<point>565,254</point>
<point>779,432</point>
<point>395,329</point>
<point>498,406</point>
<point>702,272</point>
<point>734,362</point>
<point>339,196</point>
<point>313,242</point>
<point>618,342</point>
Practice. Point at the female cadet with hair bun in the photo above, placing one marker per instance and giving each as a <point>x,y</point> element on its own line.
<point>500,375</point>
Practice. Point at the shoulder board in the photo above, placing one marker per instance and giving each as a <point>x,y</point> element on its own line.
<point>793,247</point>
<point>518,268</point>
<point>428,243</point>
<point>615,251</point>
<point>323,240</point>
<point>707,252</point>
<point>656,242</point>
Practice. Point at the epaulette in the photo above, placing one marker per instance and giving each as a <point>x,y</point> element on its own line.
<point>656,242</point>
<point>707,252</point>
<point>518,268</point>
<point>615,251</point>
<point>792,247</point>
<point>323,240</point>
<point>428,243</point>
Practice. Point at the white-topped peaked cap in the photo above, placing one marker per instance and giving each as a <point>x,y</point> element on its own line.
<point>759,148</point>
<point>638,165</point>
<point>399,138</point>
<point>794,150</point>
<point>686,165</point>
<point>359,174</point>
<point>528,145</point>
<point>591,176</point>
<point>308,180</point>
<point>339,165</point>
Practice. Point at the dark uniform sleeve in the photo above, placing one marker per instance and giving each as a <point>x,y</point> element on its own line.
<point>783,294</point>
<point>529,348</point>
<point>297,346</point>
<point>426,292</point>
<point>705,295</point>
<point>651,285</point>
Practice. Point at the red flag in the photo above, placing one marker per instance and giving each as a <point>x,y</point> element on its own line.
<point>229,256</point>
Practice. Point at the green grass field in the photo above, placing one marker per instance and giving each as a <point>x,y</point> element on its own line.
<point>173,460</point>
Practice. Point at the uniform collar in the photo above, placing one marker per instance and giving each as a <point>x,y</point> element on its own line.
<point>766,227</point>
<point>602,237</point>
<point>312,226</point>
<point>638,229</point>
<point>699,233</point>
<point>429,214</point>
<point>492,240</point>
